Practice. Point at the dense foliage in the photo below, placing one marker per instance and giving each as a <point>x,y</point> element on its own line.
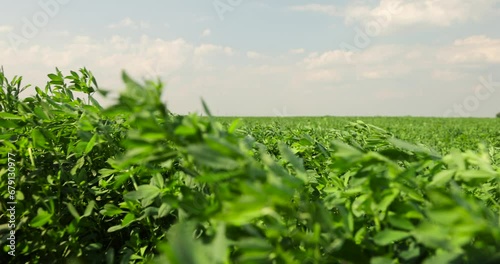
<point>136,183</point>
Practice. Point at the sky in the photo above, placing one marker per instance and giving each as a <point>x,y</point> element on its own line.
<point>271,58</point>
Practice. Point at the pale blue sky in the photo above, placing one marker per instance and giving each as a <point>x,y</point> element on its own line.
<point>267,58</point>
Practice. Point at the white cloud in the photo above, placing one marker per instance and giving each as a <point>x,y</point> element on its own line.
<point>130,23</point>
<point>214,72</point>
<point>297,51</point>
<point>326,59</point>
<point>267,69</point>
<point>319,8</point>
<point>389,71</point>
<point>474,49</point>
<point>442,13</point>
<point>206,32</point>
<point>5,28</point>
<point>376,62</point>
<point>397,14</point>
<point>450,62</point>
<point>255,55</point>
<point>447,75</point>
<point>143,57</point>
<point>207,49</point>
<point>384,53</point>
<point>322,76</point>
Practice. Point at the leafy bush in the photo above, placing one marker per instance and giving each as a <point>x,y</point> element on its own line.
<point>498,115</point>
<point>136,183</point>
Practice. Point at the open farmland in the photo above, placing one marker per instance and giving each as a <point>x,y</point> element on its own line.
<point>441,134</point>
<point>135,183</point>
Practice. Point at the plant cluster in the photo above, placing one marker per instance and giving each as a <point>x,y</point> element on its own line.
<point>135,183</point>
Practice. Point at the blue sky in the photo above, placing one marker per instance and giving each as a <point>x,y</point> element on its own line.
<point>272,58</point>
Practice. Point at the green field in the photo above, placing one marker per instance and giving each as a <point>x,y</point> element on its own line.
<point>441,134</point>
<point>135,183</point>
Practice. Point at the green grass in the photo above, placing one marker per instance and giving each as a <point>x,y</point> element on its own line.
<point>135,183</point>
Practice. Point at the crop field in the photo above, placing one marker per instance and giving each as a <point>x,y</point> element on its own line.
<point>441,134</point>
<point>136,183</point>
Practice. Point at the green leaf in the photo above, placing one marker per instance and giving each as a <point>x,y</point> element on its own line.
<point>128,219</point>
<point>120,180</point>
<point>360,235</point>
<point>219,246</point>
<point>289,156</point>
<point>40,113</point>
<point>412,252</point>
<point>111,210</point>
<point>80,148</point>
<point>8,124</point>
<point>205,108</point>
<point>91,144</point>
<point>110,256</point>
<point>413,148</point>
<point>400,222</point>
<point>158,181</point>
<point>95,103</point>
<point>475,175</point>
<point>10,116</point>
<point>73,211</point>
<point>184,130</point>
<point>89,209</point>
<point>55,79</point>
<point>38,138</point>
<point>143,192</point>
<point>19,196</point>
<point>346,151</point>
<point>41,219</point>
<point>115,228</point>
<point>211,158</point>
<point>443,257</point>
<point>106,172</point>
<point>234,125</point>
<point>442,178</point>
<point>164,209</point>
<point>182,247</point>
<point>382,260</point>
<point>94,247</point>
<point>79,164</point>
<point>389,236</point>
